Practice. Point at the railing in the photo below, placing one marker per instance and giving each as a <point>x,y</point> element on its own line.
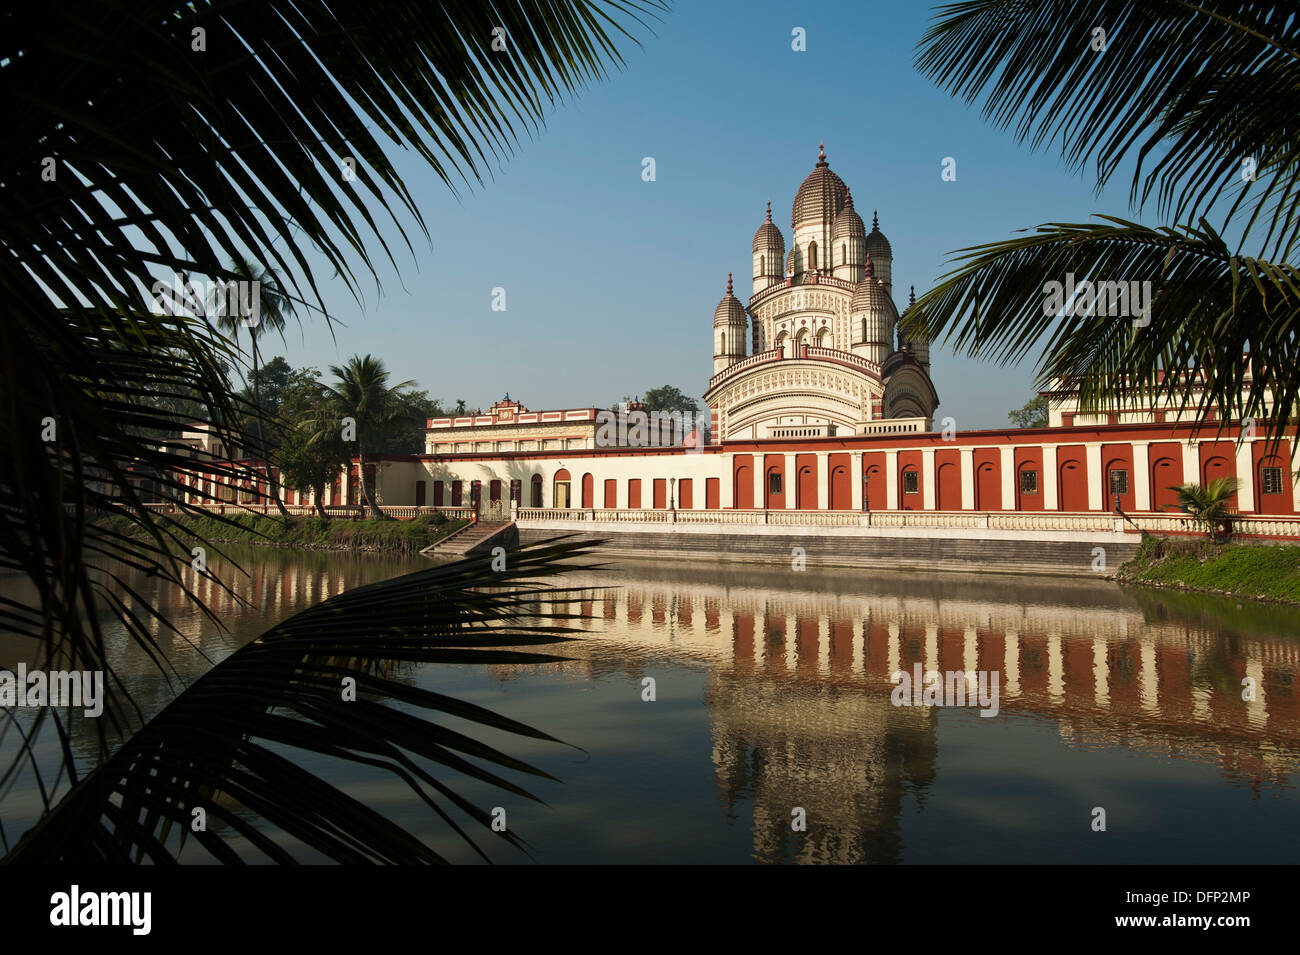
<point>809,352</point>
<point>341,511</point>
<point>1265,525</point>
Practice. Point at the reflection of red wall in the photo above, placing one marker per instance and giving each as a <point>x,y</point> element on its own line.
<point>873,471</point>
<point>947,484</point>
<point>773,464</point>
<point>1272,503</point>
<point>805,465</point>
<point>910,461</point>
<point>661,493</point>
<point>634,492</point>
<point>988,479</point>
<point>1218,459</point>
<point>685,494</point>
<point>1072,478</point>
<point>1115,457</point>
<point>713,494</point>
<point>1029,459</point>
<point>841,482</point>
<point>742,489</point>
<point>611,492</point>
<point>1166,460</point>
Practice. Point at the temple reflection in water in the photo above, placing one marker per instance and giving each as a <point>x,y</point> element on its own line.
<point>799,683</point>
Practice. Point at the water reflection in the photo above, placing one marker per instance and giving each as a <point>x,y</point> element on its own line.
<point>799,665</point>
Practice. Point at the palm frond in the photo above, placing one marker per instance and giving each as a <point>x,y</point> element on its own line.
<point>232,743</point>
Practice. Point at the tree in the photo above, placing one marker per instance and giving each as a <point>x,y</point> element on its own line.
<point>312,451</point>
<point>1032,415</point>
<point>361,392</point>
<point>278,147</point>
<point>405,435</point>
<point>1190,95</point>
<point>235,314</point>
<point>1208,505</point>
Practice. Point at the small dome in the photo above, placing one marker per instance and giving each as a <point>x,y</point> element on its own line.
<point>848,224</point>
<point>729,311</point>
<point>870,295</point>
<point>820,196</point>
<point>877,244</point>
<point>768,235</point>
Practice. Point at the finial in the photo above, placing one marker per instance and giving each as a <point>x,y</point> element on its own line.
<point>875,222</point>
<point>728,284</point>
<point>911,299</point>
<point>769,210</point>
<point>870,274</point>
<point>848,197</point>
<point>821,153</point>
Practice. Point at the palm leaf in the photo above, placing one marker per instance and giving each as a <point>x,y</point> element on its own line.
<point>231,742</point>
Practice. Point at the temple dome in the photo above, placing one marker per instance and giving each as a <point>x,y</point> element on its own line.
<point>730,311</point>
<point>820,197</point>
<point>768,235</point>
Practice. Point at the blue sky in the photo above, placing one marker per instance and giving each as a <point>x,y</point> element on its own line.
<point>611,281</point>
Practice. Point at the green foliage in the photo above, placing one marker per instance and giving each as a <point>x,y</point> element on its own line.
<point>128,167</point>
<point>1207,506</point>
<point>1033,415</point>
<point>1183,93</point>
<point>1247,570</point>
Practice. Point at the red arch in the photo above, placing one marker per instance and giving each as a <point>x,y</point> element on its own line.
<point>1072,483</point>
<point>588,491</point>
<point>742,490</point>
<point>948,488</point>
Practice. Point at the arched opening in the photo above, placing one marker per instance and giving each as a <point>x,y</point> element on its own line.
<point>536,496</point>
<point>762,265</point>
<point>948,488</point>
<point>812,256</point>
<point>722,349</point>
<point>988,493</point>
<point>800,340</point>
<point>806,488</point>
<point>742,488</point>
<point>844,253</point>
<point>588,491</point>
<point>1072,482</point>
<point>824,337</point>
<point>841,489</point>
<point>561,496</point>
<point>782,341</point>
<point>1165,477</point>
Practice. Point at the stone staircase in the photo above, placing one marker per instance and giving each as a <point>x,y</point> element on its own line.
<point>475,538</point>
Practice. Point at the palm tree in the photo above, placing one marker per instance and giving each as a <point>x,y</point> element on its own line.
<point>274,306</point>
<point>361,392</point>
<point>1207,505</point>
<point>277,148</point>
<point>1198,97</point>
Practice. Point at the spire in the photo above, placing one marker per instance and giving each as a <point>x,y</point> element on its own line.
<point>875,221</point>
<point>728,285</point>
<point>769,211</point>
<point>821,154</point>
<point>870,274</point>
<point>911,299</point>
<point>848,198</point>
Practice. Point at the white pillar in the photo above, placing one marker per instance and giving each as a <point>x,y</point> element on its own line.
<point>856,470</point>
<point>760,481</point>
<point>1008,462</point>
<point>928,478</point>
<point>968,479</point>
<point>1245,477</point>
<point>1141,477</point>
<point>726,483</point>
<point>791,481</point>
<point>891,480</point>
<point>1191,461</point>
<point>1050,502</point>
<point>823,481</point>
<point>1092,454</point>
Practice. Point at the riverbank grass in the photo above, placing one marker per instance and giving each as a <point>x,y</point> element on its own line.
<point>1255,571</point>
<point>314,533</point>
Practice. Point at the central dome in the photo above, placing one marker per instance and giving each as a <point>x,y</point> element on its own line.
<point>820,197</point>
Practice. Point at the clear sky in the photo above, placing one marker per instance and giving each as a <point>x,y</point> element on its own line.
<point>611,281</point>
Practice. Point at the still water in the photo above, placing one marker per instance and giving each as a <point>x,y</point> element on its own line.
<point>773,702</point>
